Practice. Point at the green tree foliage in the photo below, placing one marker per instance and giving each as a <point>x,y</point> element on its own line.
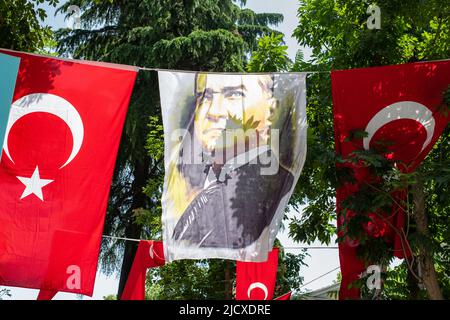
<point>187,279</point>
<point>337,33</point>
<point>20,25</point>
<point>214,35</point>
<point>270,56</point>
<point>205,279</point>
<point>288,275</point>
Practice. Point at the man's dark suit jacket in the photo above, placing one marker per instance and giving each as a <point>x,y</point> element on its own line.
<point>233,213</point>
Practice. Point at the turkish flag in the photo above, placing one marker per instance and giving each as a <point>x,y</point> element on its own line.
<point>399,107</point>
<point>149,254</point>
<point>46,294</point>
<point>286,296</point>
<point>256,280</point>
<point>60,149</point>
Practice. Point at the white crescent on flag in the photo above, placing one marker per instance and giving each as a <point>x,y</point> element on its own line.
<point>150,251</point>
<point>48,103</point>
<point>401,110</point>
<point>259,285</point>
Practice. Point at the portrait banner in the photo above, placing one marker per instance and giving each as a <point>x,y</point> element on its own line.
<point>235,145</point>
<point>61,142</point>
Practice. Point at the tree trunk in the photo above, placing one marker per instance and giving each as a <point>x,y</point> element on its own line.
<point>133,230</point>
<point>228,287</point>
<point>412,284</point>
<point>429,276</point>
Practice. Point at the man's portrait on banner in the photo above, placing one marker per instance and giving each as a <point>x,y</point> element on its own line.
<point>233,165</point>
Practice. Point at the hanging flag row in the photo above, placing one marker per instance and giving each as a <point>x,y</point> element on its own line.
<point>235,145</point>
<point>254,280</point>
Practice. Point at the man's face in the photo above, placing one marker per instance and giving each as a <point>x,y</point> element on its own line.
<point>232,99</point>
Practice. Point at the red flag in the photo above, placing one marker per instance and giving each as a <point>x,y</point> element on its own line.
<point>286,296</point>
<point>60,149</point>
<point>256,280</point>
<point>399,104</point>
<point>149,254</point>
<point>46,294</point>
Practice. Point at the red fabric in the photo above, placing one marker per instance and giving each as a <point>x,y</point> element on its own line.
<point>46,294</point>
<point>358,96</point>
<point>256,280</point>
<point>286,296</point>
<point>50,238</point>
<point>149,254</point>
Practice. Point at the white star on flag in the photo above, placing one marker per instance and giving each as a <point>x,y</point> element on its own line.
<point>34,185</point>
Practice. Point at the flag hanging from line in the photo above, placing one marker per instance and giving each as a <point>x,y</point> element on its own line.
<point>9,67</point>
<point>150,254</point>
<point>256,280</point>
<point>286,296</point>
<point>46,294</point>
<point>58,158</point>
<point>400,108</point>
<point>234,149</point>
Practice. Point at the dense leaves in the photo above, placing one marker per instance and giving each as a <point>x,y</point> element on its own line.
<point>270,56</point>
<point>20,25</point>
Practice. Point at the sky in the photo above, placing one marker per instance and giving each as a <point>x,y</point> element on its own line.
<point>319,262</point>
<point>289,10</point>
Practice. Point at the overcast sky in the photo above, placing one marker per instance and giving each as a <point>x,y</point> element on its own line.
<point>320,260</point>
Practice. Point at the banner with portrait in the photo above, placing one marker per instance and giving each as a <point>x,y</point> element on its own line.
<point>235,145</point>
